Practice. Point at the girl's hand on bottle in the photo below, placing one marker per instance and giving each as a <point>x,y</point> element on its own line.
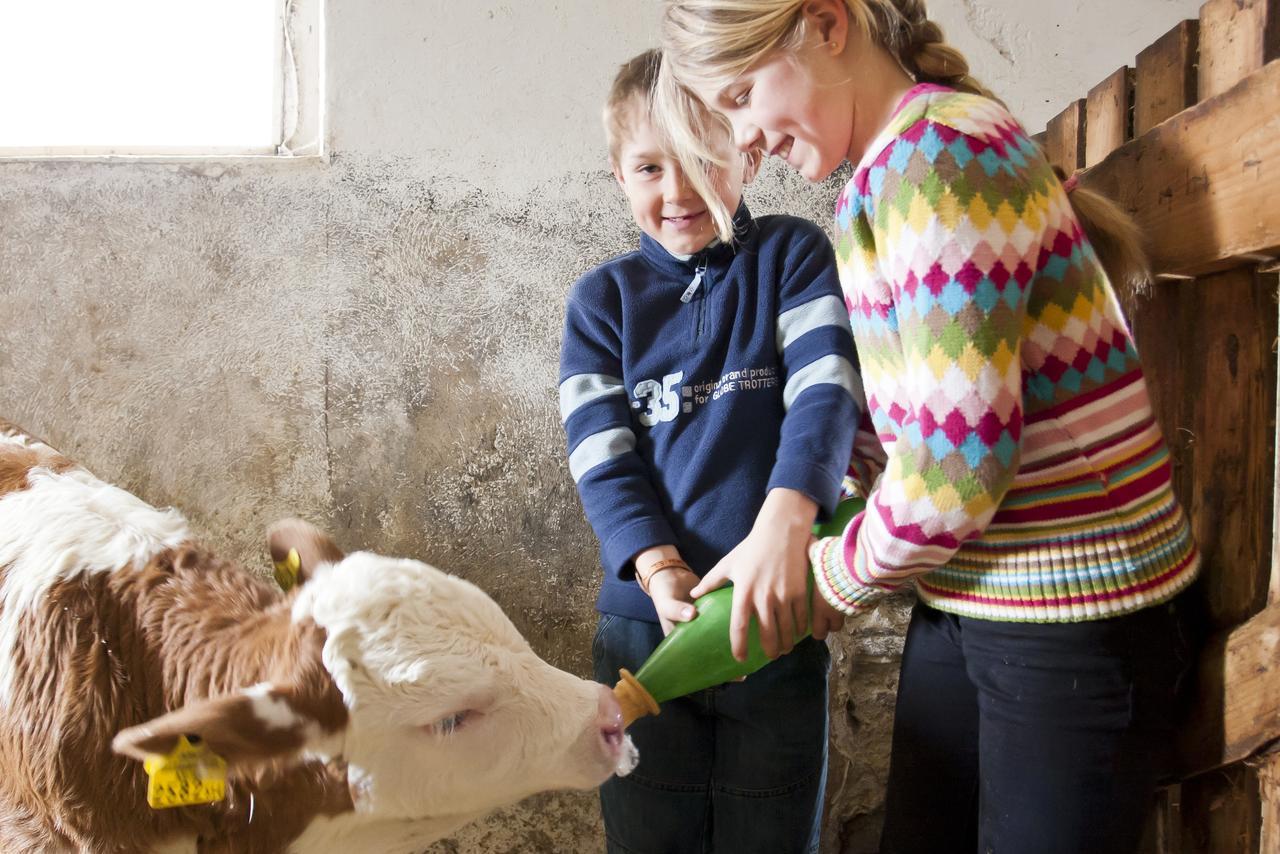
<point>770,573</point>
<point>826,619</point>
<point>669,591</point>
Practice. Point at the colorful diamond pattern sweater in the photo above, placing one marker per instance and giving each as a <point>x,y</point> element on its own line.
<point>1023,476</point>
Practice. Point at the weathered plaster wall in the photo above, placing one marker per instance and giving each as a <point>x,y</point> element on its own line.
<point>371,341</point>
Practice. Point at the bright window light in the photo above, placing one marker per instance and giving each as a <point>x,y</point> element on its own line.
<point>140,76</point>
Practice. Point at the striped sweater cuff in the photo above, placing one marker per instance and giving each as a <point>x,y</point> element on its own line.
<point>834,580</point>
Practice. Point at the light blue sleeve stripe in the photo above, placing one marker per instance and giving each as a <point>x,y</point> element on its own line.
<point>580,389</point>
<point>823,311</point>
<point>833,370</point>
<point>600,448</point>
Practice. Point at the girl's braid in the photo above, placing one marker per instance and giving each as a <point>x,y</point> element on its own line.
<point>922,48</point>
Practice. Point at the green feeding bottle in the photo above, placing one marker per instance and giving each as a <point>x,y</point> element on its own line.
<point>697,654</point>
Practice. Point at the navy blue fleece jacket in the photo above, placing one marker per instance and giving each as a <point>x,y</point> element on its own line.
<point>689,388</point>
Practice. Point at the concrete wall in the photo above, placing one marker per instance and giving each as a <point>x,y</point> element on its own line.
<point>371,341</point>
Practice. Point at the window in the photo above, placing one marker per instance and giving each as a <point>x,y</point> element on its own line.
<point>158,77</point>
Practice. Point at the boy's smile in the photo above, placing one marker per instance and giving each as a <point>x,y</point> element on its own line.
<point>686,222</point>
<point>663,203</point>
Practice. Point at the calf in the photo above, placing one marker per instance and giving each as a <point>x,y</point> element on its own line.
<point>377,707</point>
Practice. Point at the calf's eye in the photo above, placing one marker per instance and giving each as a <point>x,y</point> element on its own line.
<point>451,723</point>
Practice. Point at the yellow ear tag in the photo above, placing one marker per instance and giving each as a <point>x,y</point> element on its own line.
<point>287,570</point>
<point>190,774</point>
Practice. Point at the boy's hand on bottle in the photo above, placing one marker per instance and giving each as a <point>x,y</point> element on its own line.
<point>669,587</point>
<point>669,591</point>
<point>770,573</point>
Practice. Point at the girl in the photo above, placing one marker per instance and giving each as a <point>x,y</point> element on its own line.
<point>1025,486</point>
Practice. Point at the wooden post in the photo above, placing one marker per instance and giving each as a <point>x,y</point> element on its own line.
<point>1273,596</point>
<point>1163,833</point>
<point>1165,77</point>
<point>1108,115</point>
<point>1237,37</point>
<point>1220,812</point>
<point>1269,794</point>
<point>1065,141</point>
<point>1227,391</point>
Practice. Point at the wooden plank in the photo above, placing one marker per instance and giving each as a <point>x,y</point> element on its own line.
<point>1065,138</point>
<point>1206,349</point>
<point>1220,813</point>
<point>1237,705</point>
<point>1164,79</point>
<point>1269,794</point>
<point>1203,184</point>
<point>1107,116</point>
<point>1228,390</point>
<point>1163,833</point>
<point>1237,37</point>
<point>1273,596</point>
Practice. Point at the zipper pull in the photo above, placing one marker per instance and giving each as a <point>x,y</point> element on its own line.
<point>693,286</point>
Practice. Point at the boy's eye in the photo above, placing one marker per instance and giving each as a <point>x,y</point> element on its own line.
<point>647,169</point>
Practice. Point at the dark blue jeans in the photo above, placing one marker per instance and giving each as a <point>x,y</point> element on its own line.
<point>1027,738</point>
<point>736,769</point>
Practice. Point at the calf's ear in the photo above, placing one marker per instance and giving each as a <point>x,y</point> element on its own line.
<point>311,547</point>
<point>258,724</point>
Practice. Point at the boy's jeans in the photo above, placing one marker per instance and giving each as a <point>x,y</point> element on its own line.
<point>736,769</point>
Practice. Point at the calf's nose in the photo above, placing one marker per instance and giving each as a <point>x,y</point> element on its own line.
<point>609,718</point>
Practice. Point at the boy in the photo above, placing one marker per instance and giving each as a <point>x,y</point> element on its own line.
<point>708,389</point>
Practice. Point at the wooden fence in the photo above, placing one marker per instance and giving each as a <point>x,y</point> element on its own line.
<point>1188,141</point>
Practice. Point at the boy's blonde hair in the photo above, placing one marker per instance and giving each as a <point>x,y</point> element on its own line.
<point>694,135</point>
<point>632,89</point>
<point>710,43</point>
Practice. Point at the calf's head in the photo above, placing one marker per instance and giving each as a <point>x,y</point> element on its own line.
<point>419,682</point>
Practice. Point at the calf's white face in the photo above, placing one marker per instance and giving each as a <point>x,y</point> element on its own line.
<point>450,711</point>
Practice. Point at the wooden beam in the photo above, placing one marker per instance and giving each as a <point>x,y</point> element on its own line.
<point>1203,184</point>
<point>1108,113</point>
<point>1164,79</point>
<point>1065,138</point>
<point>1237,37</point>
<point>1237,707</point>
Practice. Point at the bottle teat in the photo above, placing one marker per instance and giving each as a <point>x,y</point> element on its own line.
<point>635,701</point>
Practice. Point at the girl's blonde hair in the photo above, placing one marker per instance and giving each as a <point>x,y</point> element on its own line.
<point>707,44</point>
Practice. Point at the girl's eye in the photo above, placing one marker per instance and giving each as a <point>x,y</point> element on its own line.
<point>742,99</point>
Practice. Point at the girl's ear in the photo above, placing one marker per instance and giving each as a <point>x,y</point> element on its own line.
<point>751,161</point>
<point>829,20</point>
